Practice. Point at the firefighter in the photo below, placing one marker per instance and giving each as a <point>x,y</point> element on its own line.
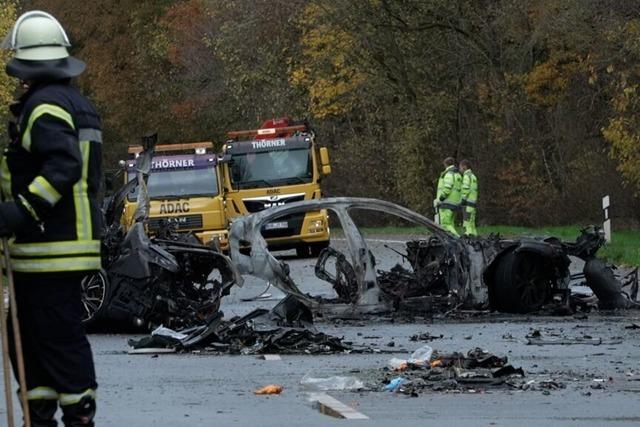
<point>448,195</point>
<point>469,198</point>
<point>49,176</point>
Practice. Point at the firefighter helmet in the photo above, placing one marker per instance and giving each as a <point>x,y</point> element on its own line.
<point>40,44</point>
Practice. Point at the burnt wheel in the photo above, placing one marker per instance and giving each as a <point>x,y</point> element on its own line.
<point>522,283</point>
<point>95,290</point>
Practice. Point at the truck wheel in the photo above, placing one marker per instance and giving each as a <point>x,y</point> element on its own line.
<point>521,283</point>
<point>302,251</point>
<point>95,291</point>
<point>316,248</point>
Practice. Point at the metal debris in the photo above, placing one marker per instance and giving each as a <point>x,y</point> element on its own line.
<point>475,371</point>
<point>536,338</point>
<point>426,336</point>
<point>286,329</point>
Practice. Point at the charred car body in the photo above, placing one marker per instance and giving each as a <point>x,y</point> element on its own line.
<point>170,279</point>
<point>446,272</point>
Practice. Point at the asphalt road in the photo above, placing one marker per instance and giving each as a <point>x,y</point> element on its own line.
<point>602,382</point>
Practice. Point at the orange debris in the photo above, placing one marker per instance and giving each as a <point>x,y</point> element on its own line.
<point>269,389</point>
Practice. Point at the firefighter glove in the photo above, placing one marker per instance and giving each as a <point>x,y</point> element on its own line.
<point>12,218</point>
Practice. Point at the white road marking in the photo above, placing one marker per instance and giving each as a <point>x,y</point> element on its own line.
<point>333,407</point>
<point>271,357</point>
<point>342,239</point>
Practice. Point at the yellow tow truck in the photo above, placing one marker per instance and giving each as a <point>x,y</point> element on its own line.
<point>184,189</point>
<point>277,164</point>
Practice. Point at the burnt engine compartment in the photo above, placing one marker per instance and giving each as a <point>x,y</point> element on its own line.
<point>438,268</point>
<point>520,276</point>
<point>164,281</point>
<point>169,279</point>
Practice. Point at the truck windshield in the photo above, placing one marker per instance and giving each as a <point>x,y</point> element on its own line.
<point>271,168</point>
<point>179,184</point>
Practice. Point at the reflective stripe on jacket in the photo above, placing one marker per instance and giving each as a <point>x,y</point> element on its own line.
<point>449,187</point>
<point>469,188</point>
<point>53,170</point>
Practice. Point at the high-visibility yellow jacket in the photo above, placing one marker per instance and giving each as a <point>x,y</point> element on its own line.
<point>469,188</point>
<point>52,170</point>
<point>450,188</point>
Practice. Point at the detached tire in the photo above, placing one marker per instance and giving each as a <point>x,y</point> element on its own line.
<point>521,283</point>
<point>95,293</point>
<point>604,284</point>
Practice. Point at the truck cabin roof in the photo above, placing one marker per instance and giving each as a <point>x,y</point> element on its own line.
<point>262,145</point>
<point>178,162</point>
<point>183,148</point>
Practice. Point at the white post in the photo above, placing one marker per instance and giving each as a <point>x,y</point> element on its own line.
<point>606,225</point>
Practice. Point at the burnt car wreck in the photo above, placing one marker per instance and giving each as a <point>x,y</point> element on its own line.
<point>169,279</point>
<point>445,272</point>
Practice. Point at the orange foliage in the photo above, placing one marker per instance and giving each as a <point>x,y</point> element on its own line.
<point>547,83</point>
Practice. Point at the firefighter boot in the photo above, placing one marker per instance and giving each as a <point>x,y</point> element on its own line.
<point>79,414</point>
<point>42,412</point>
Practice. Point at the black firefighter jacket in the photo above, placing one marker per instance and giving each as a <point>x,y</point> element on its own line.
<point>52,169</point>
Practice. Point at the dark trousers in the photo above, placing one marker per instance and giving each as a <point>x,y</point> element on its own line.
<point>57,354</point>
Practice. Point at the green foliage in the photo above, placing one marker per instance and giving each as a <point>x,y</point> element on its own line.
<point>415,162</point>
<point>547,83</point>
<point>8,84</point>
<point>623,248</point>
<point>328,71</point>
<point>623,128</point>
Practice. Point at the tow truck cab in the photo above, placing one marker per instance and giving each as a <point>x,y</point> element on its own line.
<point>278,164</point>
<point>184,189</point>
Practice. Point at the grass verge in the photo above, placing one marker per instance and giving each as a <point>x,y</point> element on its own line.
<point>623,249</point>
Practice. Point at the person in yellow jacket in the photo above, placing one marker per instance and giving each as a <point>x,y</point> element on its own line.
<point>449,195</point>
<point>469,198</point>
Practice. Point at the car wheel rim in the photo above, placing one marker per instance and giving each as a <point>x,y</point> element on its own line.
<point>93,294</point>
<point>534,287</point>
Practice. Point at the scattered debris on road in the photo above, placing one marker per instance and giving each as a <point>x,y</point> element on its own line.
<point>425,336</point>
<point>269,389</point>
<point>536,338</point>
<point>476,371</point>
<point>286,329</point>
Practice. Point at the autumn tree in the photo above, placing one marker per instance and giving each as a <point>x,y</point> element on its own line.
<point>623,127</point>
<point>123,78</point>
<point>520,88</point>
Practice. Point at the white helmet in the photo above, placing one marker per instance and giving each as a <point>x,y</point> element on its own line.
<point>40,44</point>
